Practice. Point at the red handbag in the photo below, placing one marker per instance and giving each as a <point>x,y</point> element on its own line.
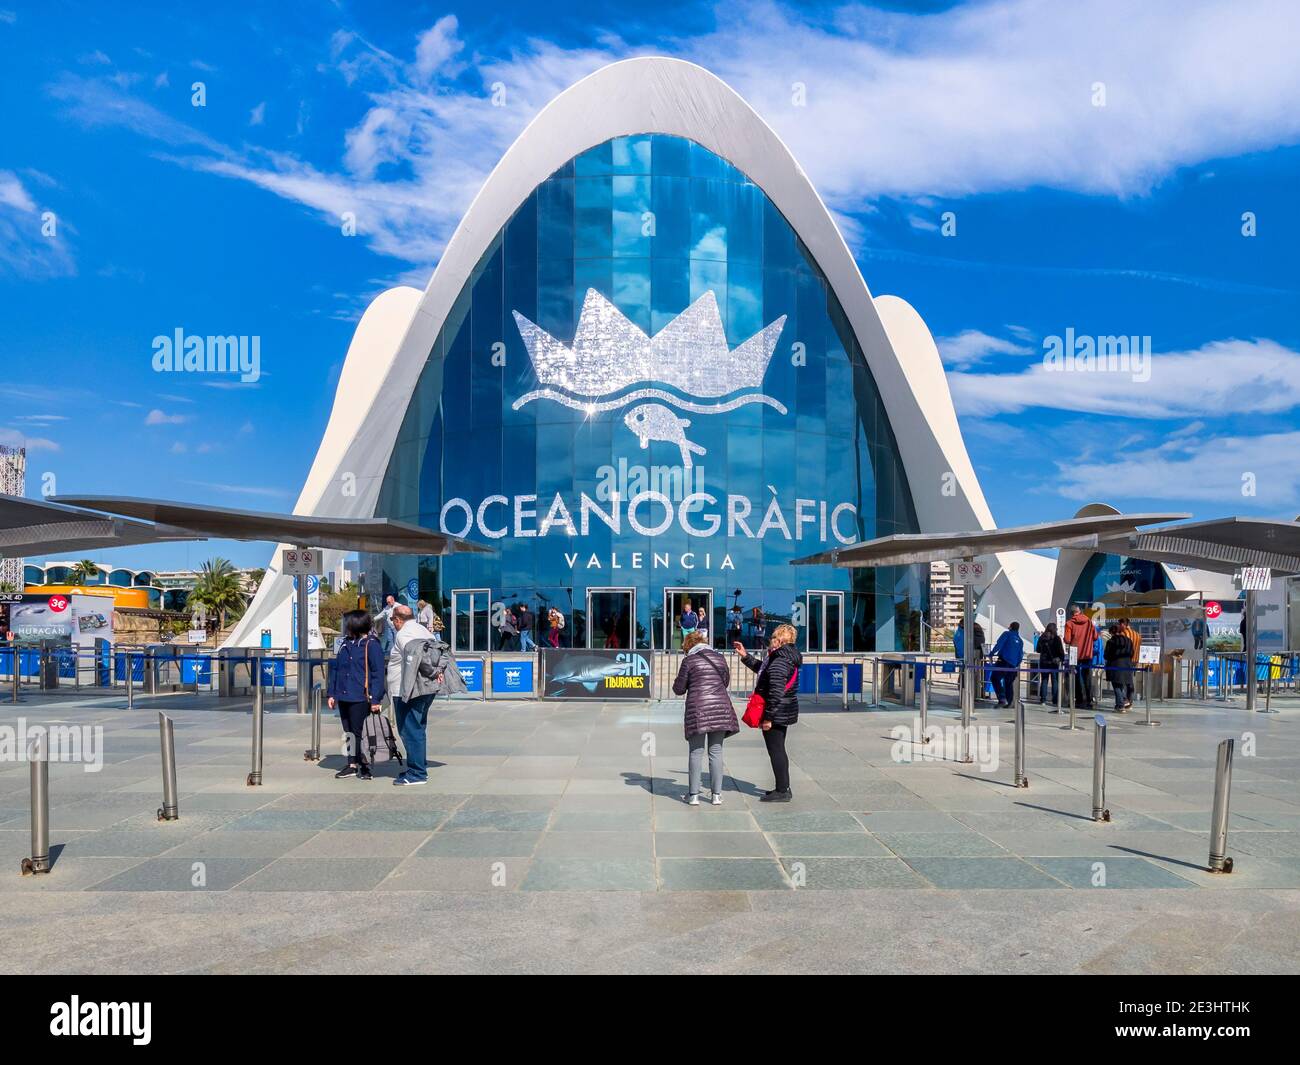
<point>753,716</point>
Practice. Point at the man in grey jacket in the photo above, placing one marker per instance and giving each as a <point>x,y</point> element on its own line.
<point>413,714</point>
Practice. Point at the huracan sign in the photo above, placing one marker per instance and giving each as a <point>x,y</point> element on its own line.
<point>611,364</point>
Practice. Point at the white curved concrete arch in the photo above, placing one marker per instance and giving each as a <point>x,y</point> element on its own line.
<point>666,96</point>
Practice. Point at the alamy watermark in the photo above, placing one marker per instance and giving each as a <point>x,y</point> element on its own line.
<point>57,743</point>
<point>1098,354</point>
<point>181,353</point>
<point>943,743</point>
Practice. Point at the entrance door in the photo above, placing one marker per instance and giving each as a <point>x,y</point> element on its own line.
<point>676,601</point>
<point>611,617</point>
<point>824,631</point>
<point>471,619</point>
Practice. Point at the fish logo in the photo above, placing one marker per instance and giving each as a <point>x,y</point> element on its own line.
<point>654,421</point>
<point>688,364</point>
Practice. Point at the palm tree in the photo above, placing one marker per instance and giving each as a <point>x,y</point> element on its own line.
<point>82,572</point>
<point>218,589</point>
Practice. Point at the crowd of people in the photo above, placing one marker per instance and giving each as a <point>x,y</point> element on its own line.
<point>1114,647</point>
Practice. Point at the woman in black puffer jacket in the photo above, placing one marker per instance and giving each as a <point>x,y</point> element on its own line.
<point>778,683</point>
<point>710,717</point>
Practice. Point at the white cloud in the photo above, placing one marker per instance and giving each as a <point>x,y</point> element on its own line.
<point>1225,376</point>
<point>158,417</point>
<point>17,438</point>
<point>25,249</point>
<point>257,115</point>
<point>436,46</point>
<point>1203,469</point>
<point>980,98</point>
<point>970,346</point>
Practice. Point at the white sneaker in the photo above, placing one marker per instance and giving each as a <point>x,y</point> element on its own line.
<point>717,798</point>
<point>692,800</point>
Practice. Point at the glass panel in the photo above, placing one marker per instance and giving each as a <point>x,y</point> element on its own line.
<point>834,610</point>
<point>651,223</point>
<point>610,619</point>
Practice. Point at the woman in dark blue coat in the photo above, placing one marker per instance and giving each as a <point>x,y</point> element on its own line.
<point>356,686</point>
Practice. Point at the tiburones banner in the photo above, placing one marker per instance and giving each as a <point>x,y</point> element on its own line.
<point>578,673</point>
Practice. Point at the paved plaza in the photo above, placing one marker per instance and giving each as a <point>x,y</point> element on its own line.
<point>553,837</point>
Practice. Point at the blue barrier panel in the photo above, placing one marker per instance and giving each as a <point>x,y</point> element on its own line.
<point>196,669</point>
<point>512,678</point>
<point>67,663</point>
<point>471,671</point>
<point>808,679</point>
<point>272,670</point>
<point>830,678</point>
<point>137,667</point>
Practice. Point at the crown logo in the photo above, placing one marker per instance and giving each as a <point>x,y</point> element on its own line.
<point>613,363</point>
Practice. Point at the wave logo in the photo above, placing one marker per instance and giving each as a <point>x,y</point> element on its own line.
<point>687,365</point>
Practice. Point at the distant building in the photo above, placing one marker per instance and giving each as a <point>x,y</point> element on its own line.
<point>13,482</point>
<point>945,597</point>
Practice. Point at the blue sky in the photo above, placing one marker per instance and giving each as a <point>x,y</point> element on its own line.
<point>1098,159</point>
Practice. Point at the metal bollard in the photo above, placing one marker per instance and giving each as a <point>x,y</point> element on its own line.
<point>1099,811</point>
<point>130,682</point>
<point>18,676</point>
<point>1268,688</point>
<point>844,687</point>
<point>1022,781</point>
<point>255,777</point>
<point>169,810</point>
<point>39,862</point>
<point>1219,860</point>
<point>975,675</point>
<point>1146,698</point>
<point>1073,698</point>
<point>925,704</point>
<point>312,753</point>
<point>875,682</point>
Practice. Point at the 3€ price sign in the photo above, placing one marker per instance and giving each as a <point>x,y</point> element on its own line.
<point>301,561</point>
<point>1213,610</point>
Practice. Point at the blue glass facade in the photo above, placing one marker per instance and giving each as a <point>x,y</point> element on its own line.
<point>1107,573</point>
<point>696,468</point>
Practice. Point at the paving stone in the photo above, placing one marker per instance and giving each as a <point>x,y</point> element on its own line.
<point>721,874</point>
<point>590,874</point>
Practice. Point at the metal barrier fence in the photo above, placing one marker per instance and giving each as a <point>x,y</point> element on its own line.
<point>875,680</point>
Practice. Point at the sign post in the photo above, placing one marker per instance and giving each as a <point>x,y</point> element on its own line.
<point>304,565</point>
<point>966,572</point>
<point>1253,579</point>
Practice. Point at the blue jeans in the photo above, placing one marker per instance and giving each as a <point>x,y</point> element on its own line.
<point>526,641</point>
<point>412,720</point>
<point>1005,678</point>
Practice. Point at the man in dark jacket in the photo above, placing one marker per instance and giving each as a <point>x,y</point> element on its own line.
<point>709,716</point>
<point>1119,666</point>
<point>778,683</point>
<point>1051,653</point>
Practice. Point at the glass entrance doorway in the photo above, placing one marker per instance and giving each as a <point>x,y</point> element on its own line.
<point>823,632</point>
<point>679,605</point>
<point>611,617</point>
<point>471,619</point>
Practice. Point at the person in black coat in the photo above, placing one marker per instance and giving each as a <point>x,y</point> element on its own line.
<point>778,683</point>
<point>1119,664</point>
<point>1051,653</point>
<point>709,716</point>
<point>356,686</point>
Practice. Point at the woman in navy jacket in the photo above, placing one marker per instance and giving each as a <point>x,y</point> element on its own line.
<point>356,686</point>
